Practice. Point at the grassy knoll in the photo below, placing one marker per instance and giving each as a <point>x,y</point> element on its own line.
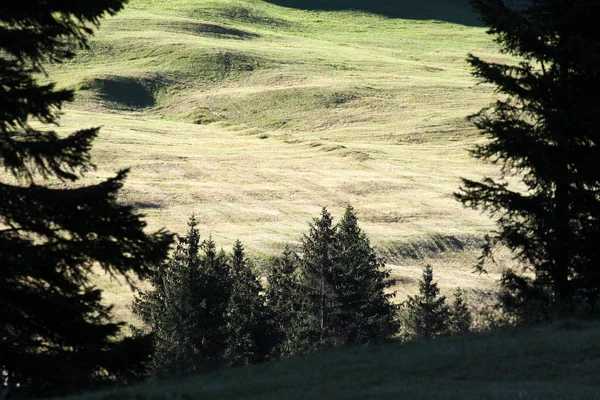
<point>254,114</point>
<point>553,362</point>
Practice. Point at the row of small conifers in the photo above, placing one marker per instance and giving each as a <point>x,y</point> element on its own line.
<point>208,308</point>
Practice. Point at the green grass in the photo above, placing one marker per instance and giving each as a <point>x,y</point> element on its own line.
<point>560,361</point>
<point>254,114</point>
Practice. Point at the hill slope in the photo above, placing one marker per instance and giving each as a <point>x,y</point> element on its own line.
<point>554,362</point>
<point>254,114</point>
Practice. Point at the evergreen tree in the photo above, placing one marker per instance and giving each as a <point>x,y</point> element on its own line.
<point>55,334</point>
<point>365,313</point>
<point>212,299</point>
<point>460,316</point>
<point>290,320</point>
<point>249,331</point>
<point>168,309</point>
<point>342,286</point>
<point>427,313</point>
<point>185,310</point>
<point>543,130</point>
<point>317,281</point>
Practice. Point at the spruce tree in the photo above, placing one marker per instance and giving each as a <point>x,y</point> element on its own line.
<point>544,131</point>
<point>169,310</point>
<point>56,336</point>
<point>249,330</point>
<point>212,296</point>
<point>365,312</point>
<point>186,308</point>
<point>317,281</point>
<point>427,314</point>
<point>460,316</point>
<point>342,286</point>
<point>290,319</point>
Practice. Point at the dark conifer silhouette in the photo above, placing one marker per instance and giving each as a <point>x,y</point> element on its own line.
<point>186,310</point>
<point>249,328</point>
<point>317,281</point>
<point>55,334</point>
<point>205,309</point>
<point>343,285</point>
<point>544,130</point>
<point>290,319</point>
<point>460,315</point>
<point>169,308</point>
<point>427,314</point>
<point>366,314</point>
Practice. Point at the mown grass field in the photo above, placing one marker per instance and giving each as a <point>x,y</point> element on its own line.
<point>559,361</point>
<point>254,114</point>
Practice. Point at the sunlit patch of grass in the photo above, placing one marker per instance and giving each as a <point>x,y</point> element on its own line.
<point>254,115</point>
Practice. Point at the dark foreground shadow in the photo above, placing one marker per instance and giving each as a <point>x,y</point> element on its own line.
<point>454,11</point>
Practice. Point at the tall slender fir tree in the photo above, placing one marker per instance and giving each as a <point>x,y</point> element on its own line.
<point>342,285</point>
<point>544,130</point>
<point>250,332</point>
<point>365,314</point>
<point>212,296</point>
<point>186,308</point>
<point>460,316</point>
<point>318,280</point>
<point>291,320</point>
<point>56,336</point>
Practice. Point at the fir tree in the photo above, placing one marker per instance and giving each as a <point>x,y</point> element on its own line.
<point>543,130</point>
<point>186,309</point>
<point>317,281</point>
<point>169,309</point>
<point>249,331</point>
<point>56,336</point>
<point>212,298</point>
<point>365,313</point>
<point>426,313</point>
<point>342,286</point>
<point>460,316</point>
<point>290,320</point>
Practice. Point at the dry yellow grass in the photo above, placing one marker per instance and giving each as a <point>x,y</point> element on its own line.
<point>315,109</point>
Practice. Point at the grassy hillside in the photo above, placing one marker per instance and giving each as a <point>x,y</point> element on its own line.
<point>554,362</point>
<point>254,114</point>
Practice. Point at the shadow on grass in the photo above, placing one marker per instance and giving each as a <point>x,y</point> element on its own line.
<point>124,92</point>
<point>454,11</point>
<point>215,30</point>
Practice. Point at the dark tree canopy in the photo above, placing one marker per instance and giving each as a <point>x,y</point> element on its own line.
<point>460,316</point>
<point>317,281</point>
<point>544,131</point>
<point>205,309</point>
<point>55,335</point>
<point>427,314</point>
<point>249,328</point>
<point>366,313</point>
<point>284,299</point>
<point>342,285</point>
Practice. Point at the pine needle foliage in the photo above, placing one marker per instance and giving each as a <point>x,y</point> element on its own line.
<point>366,313</point>
<point>249,330</point>
<point>283,295</point>
<point>343,285</point>
<point>206,309</point>
<point>318,280</point>
<point>460,315</point>
<point>427,314</point>
<point>185,310</point>
<point>544,131</point>
<point>56,336</point>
